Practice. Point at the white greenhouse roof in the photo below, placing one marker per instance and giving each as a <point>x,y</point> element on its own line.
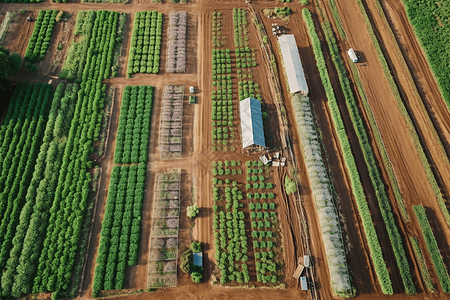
<point>252,129</point>
<point>292,64</point>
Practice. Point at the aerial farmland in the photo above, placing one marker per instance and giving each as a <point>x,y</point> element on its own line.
<point>203,149</point>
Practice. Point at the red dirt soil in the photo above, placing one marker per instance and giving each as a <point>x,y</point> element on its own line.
<point>198,155</point>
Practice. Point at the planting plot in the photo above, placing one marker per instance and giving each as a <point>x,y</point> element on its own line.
<point>163,255</point>
<point>42,259</point>
<point>133,133</point>
<point>176,42</point>
<point>383,201</point>
<point>264,223</point>
<point>430,20</point>
<point>171,123</point>
<point>23,131</point>
<point>229,226</point>
<point>42,34</point>
<point>145,43</point>
<point>119,241</point>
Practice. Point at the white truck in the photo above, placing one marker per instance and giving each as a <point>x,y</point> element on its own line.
<point>192,90</point>
<point>352,55</point>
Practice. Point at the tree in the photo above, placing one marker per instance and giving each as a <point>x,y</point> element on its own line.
<point>196,277</point>
<point>196,246</point>
<point>9,63</point>
<point>192,211</point>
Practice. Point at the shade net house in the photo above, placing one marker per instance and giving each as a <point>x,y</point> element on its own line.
<point>252,129</point>
<point>292,64</point>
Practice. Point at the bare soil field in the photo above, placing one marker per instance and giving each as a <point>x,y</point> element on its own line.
<point>19,32</point>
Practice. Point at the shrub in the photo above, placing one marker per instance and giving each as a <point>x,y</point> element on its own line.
<point>192,211</point>
<point>289,185</point>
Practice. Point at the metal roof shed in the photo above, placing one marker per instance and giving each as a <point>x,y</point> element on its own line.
<point>292,64</point>
<point>252,129</point>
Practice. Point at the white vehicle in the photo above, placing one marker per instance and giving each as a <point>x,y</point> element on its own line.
<point>352,55</point>
<point>306,261</point>
<point>192,90</point>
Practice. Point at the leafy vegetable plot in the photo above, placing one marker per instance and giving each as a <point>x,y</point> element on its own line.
<point>42,34</point>
<point>145,43</point>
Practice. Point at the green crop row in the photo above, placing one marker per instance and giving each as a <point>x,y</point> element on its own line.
<point>133,133</point>
<point>216,26</point>
<point>222,113</point>
<point>432,248</point>
<point>21,137</point>
<point>104,27</point>
<point>430,20</point>
<point>30,230</point>
<point>383,200</point>
<point>337,19</point>
<point>67,213</point>
<point>422,264</point>
<point>357,190</point>
<point>239,23</point>
<point>42,34</point>
<point>119,237</point>
<point>402,109</point>
<point>229,232</point>
<point>380,144</point>
<point>264,241</point>
<point>145,46</point>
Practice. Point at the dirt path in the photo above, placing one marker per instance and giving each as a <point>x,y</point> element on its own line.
<point>106,165</point>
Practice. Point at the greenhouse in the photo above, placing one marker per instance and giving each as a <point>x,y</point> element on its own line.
<point>292,64</point>
<point>252,129</point>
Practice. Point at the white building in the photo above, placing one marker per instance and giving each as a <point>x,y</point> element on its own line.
<point>292,64</point>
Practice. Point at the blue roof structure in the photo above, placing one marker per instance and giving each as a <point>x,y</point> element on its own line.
<point>252,129</point>
<point>198,259</point>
